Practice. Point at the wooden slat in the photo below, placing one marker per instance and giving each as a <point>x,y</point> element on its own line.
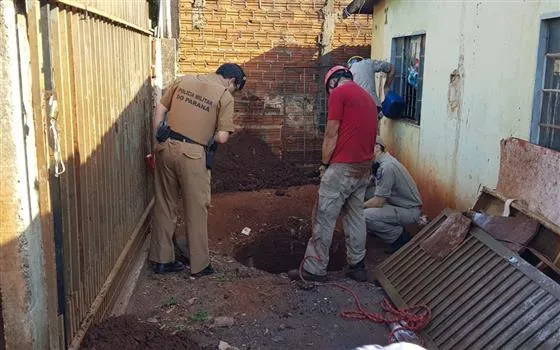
<point>78,146</point>
<point>43,159</point>
<point>98,157</point>
<point>126,117</point>
<point>114,273</point>
<point>100,67</point>
<point>81,110</point>
<point>71,233</point>
<point>540,318</point>
<point>551,341</point>
<point>486,319</point>
<point>104,202</point>
<point>456,331</point>
<point>88,120</point>
<point>122,105</point>
<point>73,166</point>
<point>537,303</point>
<point>113,120</point>
<point>123,18</point>
<point>56,43</point>
<point>107,136</point>
<point>105,29</point>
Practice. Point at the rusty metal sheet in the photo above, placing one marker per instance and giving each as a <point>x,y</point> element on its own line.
<point>447,237</point>
<point>514,232</point>
<point>482,295</point>
<point>531,173</point>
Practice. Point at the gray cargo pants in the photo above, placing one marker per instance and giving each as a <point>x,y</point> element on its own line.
<point>342,188</point>
<point>388,221</point>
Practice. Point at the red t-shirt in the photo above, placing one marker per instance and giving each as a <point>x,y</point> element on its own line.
<point>355,109</point>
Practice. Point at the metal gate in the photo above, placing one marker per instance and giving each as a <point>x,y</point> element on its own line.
<point>482,295</point>
<point>92,101</point>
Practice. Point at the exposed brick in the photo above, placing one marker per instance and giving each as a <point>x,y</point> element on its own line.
<point>275,41</point>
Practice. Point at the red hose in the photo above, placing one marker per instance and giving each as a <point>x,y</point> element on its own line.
<point>414,318</point>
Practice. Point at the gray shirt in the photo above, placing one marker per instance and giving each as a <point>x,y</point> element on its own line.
<point>364,75</point>
<point>394,182</point>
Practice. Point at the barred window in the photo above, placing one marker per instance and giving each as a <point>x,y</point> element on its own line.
<point>547,109</point>
<point>408,58</point>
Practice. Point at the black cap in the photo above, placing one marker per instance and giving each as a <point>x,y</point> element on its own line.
<point>232,70</point>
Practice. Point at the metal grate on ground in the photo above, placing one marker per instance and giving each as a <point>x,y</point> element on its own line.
<point>482,295</point>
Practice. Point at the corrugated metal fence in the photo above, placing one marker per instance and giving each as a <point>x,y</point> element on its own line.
<point>100,57</point>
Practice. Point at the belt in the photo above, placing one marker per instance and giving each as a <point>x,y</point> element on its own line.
<point>180,137</point>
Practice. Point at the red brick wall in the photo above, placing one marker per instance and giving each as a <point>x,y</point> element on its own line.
<point>276,42</point>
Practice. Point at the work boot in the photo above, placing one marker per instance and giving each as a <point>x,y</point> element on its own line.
<point>175,266</point>
<point>403,239</point>
<point>208,270</point>
<point>186,261</point>
<point>357,272</point>
<point>307,276</point>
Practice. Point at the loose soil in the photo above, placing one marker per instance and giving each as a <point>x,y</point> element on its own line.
<point>280,249</point>
<point>129,333</point>
<point>246,163</point>
<point>269,311</point>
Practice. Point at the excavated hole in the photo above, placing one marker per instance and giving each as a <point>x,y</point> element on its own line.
<point>282,248</point>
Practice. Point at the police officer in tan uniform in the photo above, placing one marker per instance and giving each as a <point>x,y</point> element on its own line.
<point>199,111</point>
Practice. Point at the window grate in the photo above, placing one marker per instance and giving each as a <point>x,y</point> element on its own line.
<point>408,59</point>
<point>549,122</point>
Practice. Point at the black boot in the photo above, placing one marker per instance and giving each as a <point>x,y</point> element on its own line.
<point>175,266</point>
<point>357,271</point>
<point>308,276</point>
<point>208,270</point>
<point>403,239</point>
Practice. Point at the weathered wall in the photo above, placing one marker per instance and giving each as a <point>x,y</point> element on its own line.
<point>478,87</point>
<point>277,43</point>
<point>22,286</point>
<point>169,60</point>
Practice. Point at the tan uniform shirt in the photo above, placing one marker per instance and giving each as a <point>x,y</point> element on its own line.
<point>198,106</point>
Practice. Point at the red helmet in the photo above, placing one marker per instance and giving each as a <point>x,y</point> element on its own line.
<point>332,71</point>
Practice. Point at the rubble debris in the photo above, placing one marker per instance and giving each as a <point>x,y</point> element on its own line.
<point>225,346</point>
<point>224,321</point>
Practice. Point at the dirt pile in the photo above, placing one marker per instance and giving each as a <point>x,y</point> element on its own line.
<point>127,333</point>
<point>246,163</point>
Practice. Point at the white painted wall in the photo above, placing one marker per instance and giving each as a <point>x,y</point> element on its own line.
<point>494,45</point>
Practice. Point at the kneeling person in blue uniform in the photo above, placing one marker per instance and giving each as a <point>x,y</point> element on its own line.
<point>392,200</point>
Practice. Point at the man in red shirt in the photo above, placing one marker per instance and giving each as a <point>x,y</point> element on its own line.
<point>345,168</point>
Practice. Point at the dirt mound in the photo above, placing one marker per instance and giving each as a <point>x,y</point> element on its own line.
<point>128,333</point>
<point>246,163</point>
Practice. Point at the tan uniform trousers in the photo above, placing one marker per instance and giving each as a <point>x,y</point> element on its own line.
<point>181,169</point>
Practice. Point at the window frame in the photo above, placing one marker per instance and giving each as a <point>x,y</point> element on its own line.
<point>536,134</point>
<point>399,83</point>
